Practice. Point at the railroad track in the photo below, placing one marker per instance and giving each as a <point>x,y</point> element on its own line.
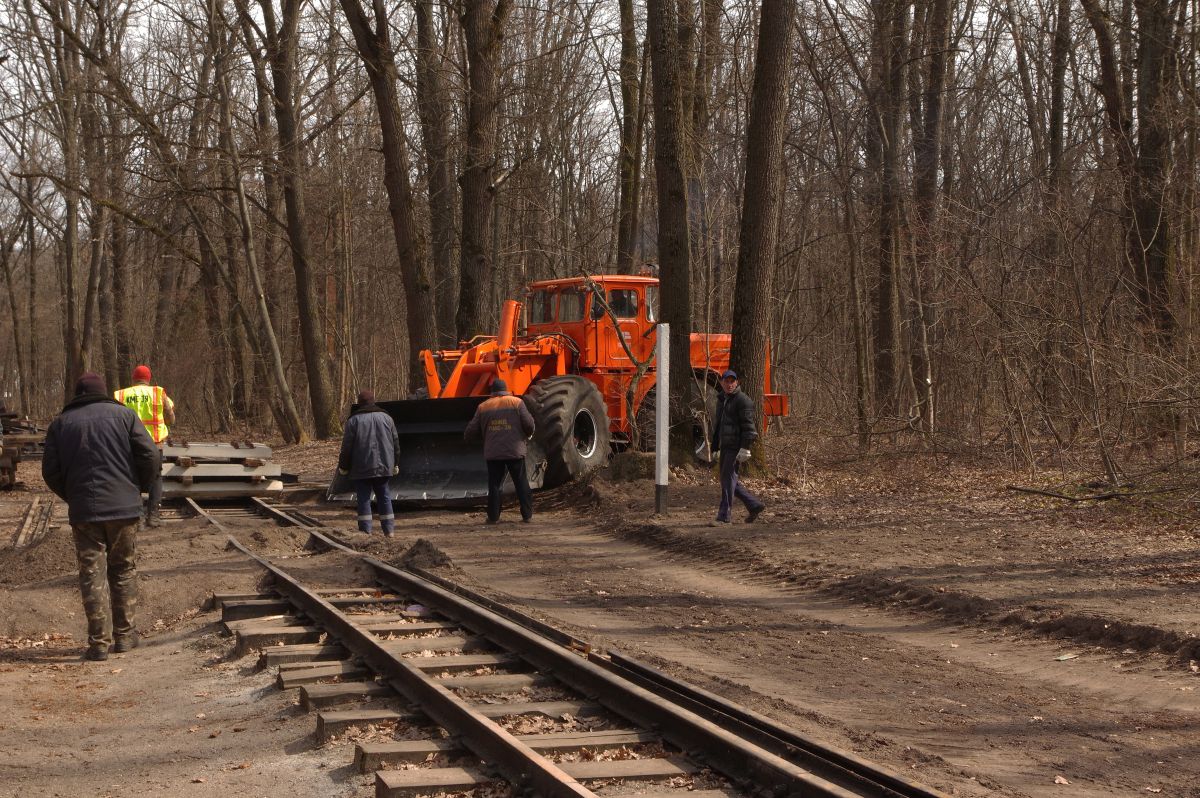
<point>225,513</point>
<point>470,692</point>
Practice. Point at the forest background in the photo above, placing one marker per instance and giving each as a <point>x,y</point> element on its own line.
<point>960,223</point>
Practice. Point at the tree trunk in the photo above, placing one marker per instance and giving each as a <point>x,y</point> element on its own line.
<point>433,109</point>
<point>1144,157</point>
<point>218,343</point>
<point>1152,225</point>
<point>291,427</point>
<point>631,142</point>
<point>31,250</point>
<point>763,196</point>
<point>282,41</point>
<point>375,48</point>
<point>122,346</point>
<point>483,28</point>
<point>927,147</point>
<point>674,250</point>
<point>6,251</point>
<point>97,169</point>
<point>108,331</point>
<point>890,41</point>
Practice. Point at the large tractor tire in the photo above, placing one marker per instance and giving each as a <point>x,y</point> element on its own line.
<point>572,426</point>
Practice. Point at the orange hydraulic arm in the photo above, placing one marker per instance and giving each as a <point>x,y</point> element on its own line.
<point>479,361</point>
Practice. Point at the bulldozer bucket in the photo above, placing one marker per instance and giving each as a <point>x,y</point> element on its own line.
<point>437,467</point>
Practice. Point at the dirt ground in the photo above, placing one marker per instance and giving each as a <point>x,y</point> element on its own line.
<point>911,608</point>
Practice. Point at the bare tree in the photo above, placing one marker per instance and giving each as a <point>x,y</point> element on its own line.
<point>674,245</point>
<point>279,36</point>
<point>763,200</point>
<point>434,111</point>
<point>483,23</point>
<point>375,48</point>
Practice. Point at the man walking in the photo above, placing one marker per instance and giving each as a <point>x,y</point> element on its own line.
<point>505,424</point>
<point>734,429</point>
<point>157,412</point>
<point>370,457</point>
<point>98,459</point>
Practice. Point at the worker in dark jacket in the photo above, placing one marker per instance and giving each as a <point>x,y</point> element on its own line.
<point>505,424</point>
<point>734,429</point>
<point>370,457</point>
<point>99,459</point>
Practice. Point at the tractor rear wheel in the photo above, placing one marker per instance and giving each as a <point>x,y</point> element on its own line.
<point>572,426</point>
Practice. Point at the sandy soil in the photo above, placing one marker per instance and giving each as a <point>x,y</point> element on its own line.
<point>912,609</point>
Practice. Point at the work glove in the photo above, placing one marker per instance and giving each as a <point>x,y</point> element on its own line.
<point>743,455</point>
<point>395,471</point>
<point>344,472</point>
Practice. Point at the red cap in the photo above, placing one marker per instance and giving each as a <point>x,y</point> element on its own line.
<point>141,374</point>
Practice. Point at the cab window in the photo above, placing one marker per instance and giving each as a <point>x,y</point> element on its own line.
<point>571,306</point>
<point>624,303</point>
<point>652,303</point>
<point>541,307</point>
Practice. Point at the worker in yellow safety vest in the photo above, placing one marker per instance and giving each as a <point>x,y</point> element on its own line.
<point>157,412</point>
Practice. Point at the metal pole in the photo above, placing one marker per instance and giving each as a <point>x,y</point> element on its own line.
<point>662,417</point>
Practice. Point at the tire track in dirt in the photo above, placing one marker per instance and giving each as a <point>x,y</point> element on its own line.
<point>955,606</point>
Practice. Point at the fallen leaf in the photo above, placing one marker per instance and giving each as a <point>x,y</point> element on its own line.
<point>199,780</point>
<point>201,715</point>
<point>1065,657</point>
<point>954,645</point>
<point>214,734</point>
<point>1060,780</point>
<point>1154,789</point>
<point>116,670</point>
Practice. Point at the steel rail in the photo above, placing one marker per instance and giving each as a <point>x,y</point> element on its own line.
<point>839,766</point>
<point>200,512</point>
<point>749,765</point>
<point>545,630</point>
<point>512,759</point>
<point>278,513</point>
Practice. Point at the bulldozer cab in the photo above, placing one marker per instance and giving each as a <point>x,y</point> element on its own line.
<point>572,308</point>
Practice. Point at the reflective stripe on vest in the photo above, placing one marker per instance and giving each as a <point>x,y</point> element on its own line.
<point>147,401</point>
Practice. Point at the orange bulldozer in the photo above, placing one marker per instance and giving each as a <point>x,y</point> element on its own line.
<point>572,370</point>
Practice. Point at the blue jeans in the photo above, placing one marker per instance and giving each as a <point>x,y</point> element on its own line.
<point>731,487</point>
<point>363,488</point>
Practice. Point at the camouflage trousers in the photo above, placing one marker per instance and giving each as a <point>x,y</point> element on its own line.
<point>107,553</point>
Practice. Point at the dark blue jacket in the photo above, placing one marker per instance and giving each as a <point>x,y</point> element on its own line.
<point>734,426</point>
<point>505,424</point>
<point>99,459</point>
<point>370,445</point>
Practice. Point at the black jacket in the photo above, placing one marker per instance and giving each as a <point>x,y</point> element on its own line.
<point>734,425</point>
<point>99,459</point>
<point>370,444</point>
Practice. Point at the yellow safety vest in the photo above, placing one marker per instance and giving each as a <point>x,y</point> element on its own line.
<point>149,402</point>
